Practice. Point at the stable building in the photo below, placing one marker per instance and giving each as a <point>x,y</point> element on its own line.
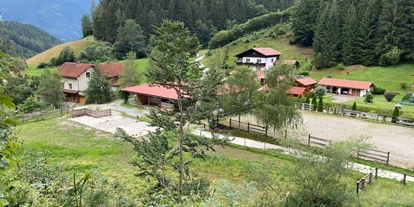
<point>153,95</point>
<point>346,87</point>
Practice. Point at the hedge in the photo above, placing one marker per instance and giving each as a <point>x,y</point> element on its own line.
<point>224,37</point>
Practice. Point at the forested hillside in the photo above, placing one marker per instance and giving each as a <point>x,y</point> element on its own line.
<point>368,32</point>
<point>23,40</point>
<point>203,17</point>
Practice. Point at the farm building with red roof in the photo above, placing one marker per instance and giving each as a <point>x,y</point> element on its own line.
<point>346,87</point>
<point>152,94</point>
<point>307,83</point>
<point>76,78</point>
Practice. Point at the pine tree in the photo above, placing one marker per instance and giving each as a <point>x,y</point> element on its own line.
<point>86,24</point>
<point>350,49</point>
<point>327,33</point>
<point>99,88</point>
<point>130,38</point>
<point>304,18</point>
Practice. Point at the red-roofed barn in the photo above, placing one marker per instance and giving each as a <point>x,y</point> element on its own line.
<point>307,83</point>
<point>346,87</point>
<point>149,94</point>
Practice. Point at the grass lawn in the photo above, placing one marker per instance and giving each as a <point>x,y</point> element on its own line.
<point>388,78</point>
<point>33,71</point>
<point>82,148</point>
<point>290,52</point>
<point>381,103</point>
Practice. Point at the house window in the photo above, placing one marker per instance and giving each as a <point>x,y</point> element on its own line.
<point>70,85</point>
<point>248,60</point>
<point>88,74</point>
<point>259,60</point>
<point>272,60</point>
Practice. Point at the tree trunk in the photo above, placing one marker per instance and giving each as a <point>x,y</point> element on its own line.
<point>274,134</point>
<point>239,122</point>
<point>181,168</point>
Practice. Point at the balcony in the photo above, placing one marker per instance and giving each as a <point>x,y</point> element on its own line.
<point>239,63</point>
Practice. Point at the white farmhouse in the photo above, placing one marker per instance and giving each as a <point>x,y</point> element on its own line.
<point>258,58</point>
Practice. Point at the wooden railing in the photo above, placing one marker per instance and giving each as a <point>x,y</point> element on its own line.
<point>374,155</point>
<point>92,113</point>
<point>366,180</point>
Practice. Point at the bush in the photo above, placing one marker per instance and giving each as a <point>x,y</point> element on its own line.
<point>403,85</point>
<point>407,96</point>
<point>304,73</point>
<point>320,104</point>
<point>395,115</point>
<point>320,91</point>
<point>378,91</point>
<point>309,94</point>
<point>369,98</point>
<point>341,66</point>
<point>307,66</point>
<point>43,65</point>
<point>314,103</point>
<point>354,107</point>
<point>328,76</point>
<point>389,96</point>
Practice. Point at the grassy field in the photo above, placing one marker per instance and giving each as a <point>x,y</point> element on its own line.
<point>45,56</point>
<point>381,103</point>
<point>81,148</point>
<point>388,78</point>
<point>290,52</point>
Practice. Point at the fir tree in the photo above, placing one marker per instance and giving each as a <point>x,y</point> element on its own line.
<point>304,18</point>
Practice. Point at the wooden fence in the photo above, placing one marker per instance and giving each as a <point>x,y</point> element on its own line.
<point>374,155</point>
<point>90,112</point>
<point>366,180</point>
<point>369,154</point>
<point>359,114</point>
<point>41,115</point>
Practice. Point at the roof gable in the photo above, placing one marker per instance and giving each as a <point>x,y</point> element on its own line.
<point>306,81</point>
<point>264,51</point>
<point>345,83</point>
<point>73,70</point>
<point>111,69</point>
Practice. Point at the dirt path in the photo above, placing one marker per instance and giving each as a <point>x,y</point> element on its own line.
<point>398,140</point>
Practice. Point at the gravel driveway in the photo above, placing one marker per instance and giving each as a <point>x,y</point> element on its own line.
<point>398,140</point>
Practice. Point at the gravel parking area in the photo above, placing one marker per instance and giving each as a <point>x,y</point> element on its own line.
<point>398,140</point>
<point>110,123</point>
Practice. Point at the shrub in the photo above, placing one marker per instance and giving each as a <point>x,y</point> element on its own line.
<point>320,91</point>
<point>307,99</point>
<point>309,94</point>
<point>395,115</point>
<point>43,65</point>
<point>320,104</point>
<point>407,96</point>
<point>354,107</point>
<point>378,91</point>
<point>369,98</point>
<point>389,96</point>
<point>314,103</point>
<point>304,73</point>
<point>403,85</point>
<point>341,66</point>
<point>328,76</point>
<point>307,66</point>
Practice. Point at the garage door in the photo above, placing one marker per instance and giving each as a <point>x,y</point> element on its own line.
<point>356,92</point>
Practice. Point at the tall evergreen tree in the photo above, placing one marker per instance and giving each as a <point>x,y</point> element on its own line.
<point>130,38</point>
<point>327,33</point>
<point>86,24</point>
<point>304,18</point>
<point>350,50</point>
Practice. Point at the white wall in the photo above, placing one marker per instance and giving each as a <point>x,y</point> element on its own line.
<point>253,59</point>
<point>83,80</point>
<point>267,61</point>
<point>74,83</point>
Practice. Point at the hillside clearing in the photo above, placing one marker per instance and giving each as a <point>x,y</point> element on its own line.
<point>47,55</point>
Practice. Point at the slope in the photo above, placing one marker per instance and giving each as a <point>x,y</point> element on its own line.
<point>24,40</point>
<point>45,56</point>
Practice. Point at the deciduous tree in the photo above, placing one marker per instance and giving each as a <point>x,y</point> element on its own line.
<point>130,75</point>
<point>50,88</point>
<point>99,88</point>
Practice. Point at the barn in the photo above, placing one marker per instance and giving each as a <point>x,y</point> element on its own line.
<point>346,87</point>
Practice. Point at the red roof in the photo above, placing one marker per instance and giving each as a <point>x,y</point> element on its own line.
<point>267,51</point>
<point>261,74</point>
<point>296,90</point>
<point>153,90</point>
<point>306,81</point>
<point>112,69</point>
<point>73,70</point>
<point>345,83</point>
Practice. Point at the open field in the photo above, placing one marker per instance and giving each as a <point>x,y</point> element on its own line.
<point>82,148</point>
<point>388,78</point>
<point>381,103</point>
<point>45,56</point>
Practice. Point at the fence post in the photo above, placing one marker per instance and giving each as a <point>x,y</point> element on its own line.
<point>388,158</point>
<point>248,126</point>
<point>363,184</point>
<point>230,122</point>
<point>309,140</point>
<point>404,179</point>
<point>285,134</point>
<point>370,178</point>
<point>376,173</point>
<point>357,185</point>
